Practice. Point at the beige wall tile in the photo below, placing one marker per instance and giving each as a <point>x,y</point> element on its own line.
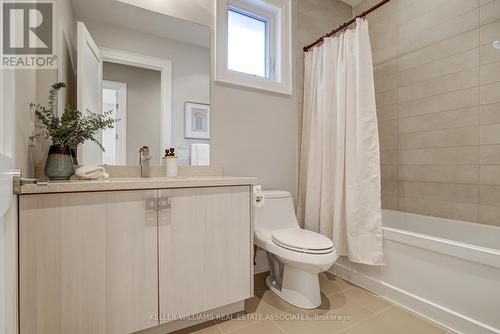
<point>489,113</point>
<point>409,10</point>
<point>485,2</point>
<point>386,83</point>
<point>490,73</point>
<point>434,34</point>
<point>379,27</point>
<point>448,83</point>
<point>447,173</point>
<point>489,154</point>
<point>449,101</point>
<point>488,54</point>
<point>437,13</point>
<point>446,209</point>
<point>386,98</point>
<point>490,93</point>
<point>490,12</point>
<point>489,215</point>
<point>387,112</point>
<point>383,41</point>
<point>305,37</point>
<point>440,120</point>
<point>390,202</point>
<point>364,5</point>
<point>384,55</point>
<point>390,188</point>
<point>324,11</point>
<point>455,63</point>
<point>442,49</point>
<point>489,32</point>
<point>440,138</point>
<point>490,134</point>
<point>388,157</point>
<point>489,175</point>
<point>467,155</point>
<point>389,127</point>
<point>312,25</point>
<point>439,191</point>
<point>389,173</point>
<point>489,195</point>
<point>386,69</point>
<point>437,56</point>
<point>389,142</point>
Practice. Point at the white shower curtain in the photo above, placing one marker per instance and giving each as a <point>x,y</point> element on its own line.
<point>339,186</point>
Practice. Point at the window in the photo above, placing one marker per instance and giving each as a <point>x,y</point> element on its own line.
<point>253,44</point>
<point>247,43</point>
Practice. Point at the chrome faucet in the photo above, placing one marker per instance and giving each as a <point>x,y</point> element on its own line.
<point>144,161</point>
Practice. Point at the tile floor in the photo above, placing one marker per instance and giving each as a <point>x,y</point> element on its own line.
<point>346,309</point>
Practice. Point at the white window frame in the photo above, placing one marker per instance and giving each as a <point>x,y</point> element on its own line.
<point>279,63</point>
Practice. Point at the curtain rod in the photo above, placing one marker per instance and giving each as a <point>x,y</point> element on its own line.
<point>346,24</point>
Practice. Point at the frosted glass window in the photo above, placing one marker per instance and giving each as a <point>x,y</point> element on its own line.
<point>247,41</point>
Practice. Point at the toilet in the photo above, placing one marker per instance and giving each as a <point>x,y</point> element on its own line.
<point>296,256</point>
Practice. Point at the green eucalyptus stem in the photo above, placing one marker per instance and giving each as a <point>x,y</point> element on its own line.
<point>72,128</point>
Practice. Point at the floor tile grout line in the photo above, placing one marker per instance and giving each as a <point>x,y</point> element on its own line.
<point>279,327</point>
<point>404,309</point>
<point>367,318</point>
<point>372,313</point>
<point>243,326</point>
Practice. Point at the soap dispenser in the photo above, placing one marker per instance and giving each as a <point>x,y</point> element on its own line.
<point>170,162</point>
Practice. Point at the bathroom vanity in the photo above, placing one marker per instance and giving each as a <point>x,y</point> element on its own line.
<point>125,255</point>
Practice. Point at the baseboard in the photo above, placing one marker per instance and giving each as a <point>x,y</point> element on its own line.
<point>427,309</point>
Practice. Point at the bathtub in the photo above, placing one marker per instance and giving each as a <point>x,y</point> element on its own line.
<point>443,269</point>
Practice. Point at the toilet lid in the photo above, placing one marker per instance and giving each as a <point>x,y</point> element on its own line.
<point>302,241</point>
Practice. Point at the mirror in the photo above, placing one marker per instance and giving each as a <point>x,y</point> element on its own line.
<point>151,72</point>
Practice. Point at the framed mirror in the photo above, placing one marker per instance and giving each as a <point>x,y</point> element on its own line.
<point>144,68</point>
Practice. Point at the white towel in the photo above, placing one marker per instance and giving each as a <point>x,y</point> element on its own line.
<point>200,154</point>
<point>91,172</point>
<point>103,176</point>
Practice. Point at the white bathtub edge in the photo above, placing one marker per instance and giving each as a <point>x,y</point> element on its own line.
<point>425,308</point>
<point>473,253</point>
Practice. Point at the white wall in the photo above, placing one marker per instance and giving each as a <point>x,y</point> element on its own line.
<point>143,108</point>
<point>199,11</point>
<point>255,133</point>
<point>34,85</point>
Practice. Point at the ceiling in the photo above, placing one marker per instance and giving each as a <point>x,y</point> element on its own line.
<point>139,19</point>
<point>353,3</point>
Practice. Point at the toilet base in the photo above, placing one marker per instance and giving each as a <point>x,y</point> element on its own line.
<point>299,288</point>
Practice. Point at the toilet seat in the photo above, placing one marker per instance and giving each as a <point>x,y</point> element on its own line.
<point>303,241</point>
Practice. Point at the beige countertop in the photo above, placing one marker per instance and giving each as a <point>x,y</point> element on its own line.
<point>114,184</point>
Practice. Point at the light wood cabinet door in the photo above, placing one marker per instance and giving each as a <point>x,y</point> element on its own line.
<point>88,263</point>
<point>205,247</point>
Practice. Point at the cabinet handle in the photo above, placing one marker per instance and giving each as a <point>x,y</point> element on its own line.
<point>164,203</point>
<point>152,204</point>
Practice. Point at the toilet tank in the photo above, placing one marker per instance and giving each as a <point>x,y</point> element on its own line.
<point>276,213</point>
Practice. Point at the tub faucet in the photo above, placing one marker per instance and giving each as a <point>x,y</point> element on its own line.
<point>144,161</point>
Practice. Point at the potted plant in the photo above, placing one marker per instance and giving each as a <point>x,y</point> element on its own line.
<point>67,133</point>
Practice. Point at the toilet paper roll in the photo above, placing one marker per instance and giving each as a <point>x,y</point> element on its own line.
<point>258,196</point>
